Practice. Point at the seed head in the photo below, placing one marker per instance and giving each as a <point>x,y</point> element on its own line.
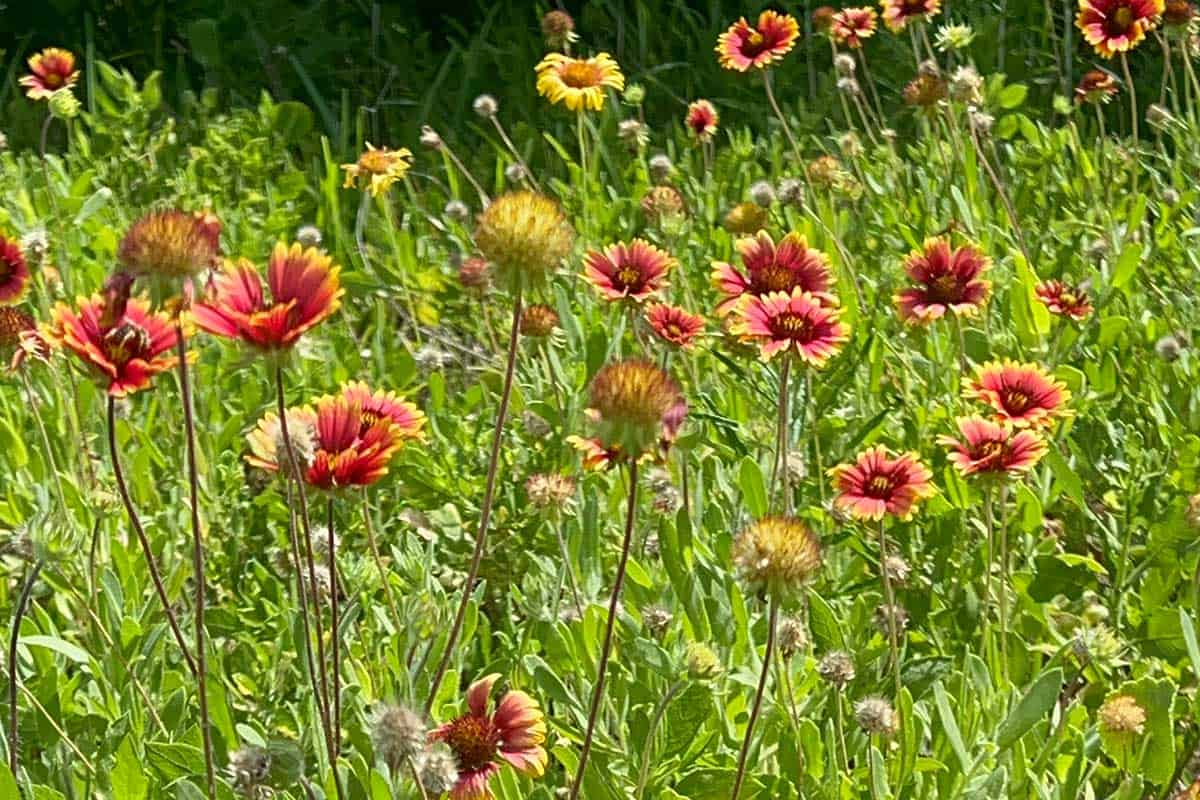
<point>457,211</point>
<point>981,121</point>
<point>876,717</point>
<point>884,612</point>
<point>745,219</point>
<point>1170,196</point>
<point>848,85</point>
<point>486,106</point>
<point>525,236</point>
<point>430,138</point>
<point>837,668</point>
<point>249,768</point>
<point>538,321</point>
<point>514,173</point>
<point>660,167</point>
<point>762,194</point>
<point>897,568</point>
<point>850,145</point>
<point>792,636</point>
<point>633,134</point>
<point>1168,347</point>
<point>635,405</point>
<point>966,85</point>
<point>398,734</point>
<point>844,64</point>
<point>474,273</point>
<point>662,203</point>
<point>550,490</point>
<point>35,245</point>
<point>308,236</point>
<point>776,555</point>
<point>170,244</point>
<point>534,424</point>
<point>437,770</point>
<point>1122,717</point>
<point>791,192</point>
<point>657,619</point>
<point>558,28</point>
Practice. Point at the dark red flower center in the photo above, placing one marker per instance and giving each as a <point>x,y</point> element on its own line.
<point>474,741</point>
<point>915,7</point>
<point>985,451</point>
<point>6,270</point>
<point>124,343</point>
<point>879,486</point>
<point>628,278</point>
<point>52,80</point>
<point>1015,400</point>
<point>1122,18</point>
<point>945,289</point>
<point>793,326</point>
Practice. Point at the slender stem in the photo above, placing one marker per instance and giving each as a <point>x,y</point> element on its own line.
<point>334,634</point>
<point>815,433</point>
<point>189,426</point>
<point>293,473</point>
<point>33,701</point>
<point>862,59</point>
<point>787,129</point>
<point>648,748</point>
<point>606,649</point>
<point>14,746</point>
<point>516,153</point>
<point>989,521</point>
<point>483,196</point>
<point>839,725</point>
<point>49,451</point>
<point>1133,109</point>
<point>486,512</point>
<point>779,464</point>
<point>756,706</point>
<point>1004,581</point>
<point>302,592</point>
<point>872,767</point>
<point>999,186</point>
<point>889,595</point>
<point>962,345</point>
<point>567,568</point>
<point>412,765</point>
<point>383,576</point>
<point>583,171</point>
<point>136,523</point>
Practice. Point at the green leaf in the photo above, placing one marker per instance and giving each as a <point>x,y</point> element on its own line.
<point>71,651</point>
<point>174,760</point>
<point>950,725</point>
<point>826,630</point>
<point>686,717</point>
<point>1189,638</point>
<point>1127,264</point>
<point>754,492</point>
<point>1065,476</point>
<point>1013,95</point>
<point>293,121</point>
<point>1036,703</point>
<point>128,776</point>
<point>8,784</point>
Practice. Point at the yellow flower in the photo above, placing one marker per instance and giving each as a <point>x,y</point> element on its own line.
<point>578,83</point>
<point>380,167</point>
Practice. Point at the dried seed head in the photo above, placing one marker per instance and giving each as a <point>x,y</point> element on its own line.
<point>430,138</point>
<point>558,28</point>
<point>550,490</point>
<point>792,636</point>
<point>776,555</point>
<point>1121,716</point>
<point>249,768</point>
<point>398,734</point>
<point>634,404</point>
<point>514,173</point>
<point>762,194</point>
<point>746,219</point>
<point>437,770</point>
<point>876,716</point>
<point>457,211</point>
<point>535,425</point>
<point>844,64</point>
<point>525,235</point>
<point>884,612</point>
<point>657,619</point>
<point>308,236</point>
<point>850,145</point>
<point>485,106</point>
<point>791,192</point>
<point>538,321</point>
<point>897,568</point>
<point>1168,347</point>
<point>170,244</point>
<point>660,167</point>
<point>966,85</point>
<point>837,668</point>
<point>633,134</point>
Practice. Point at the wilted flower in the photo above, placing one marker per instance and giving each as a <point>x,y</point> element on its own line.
<point>20,338</point>
<point>1022,395</point>
<point>981,121</point>
<point>897,569</point>
<point>662,203</point>
<point>1122,717</point>
<point>702,120</point>
<point>1096,86</point>
<point>474,273</point>
<point>769,267</point>
<point>14,271</point>
<point>948,280</point>
<point>550,490</point>
<point>379,168</point>
<point>525,235</point>
<point>886,615</point>
<point>877,484</point>
<point>876,717</point>
<point>850,26</point>
<point>538,321</point>
<point>1179,13</point>
<point>925,91</point>
<point>482,740</point>
<point>825,171</point>
<point>430,138</point>
<point>633,271</point>
<point>837,668</point>
<point>822,18</point>
<point>657,619</point>
<point>674,325</point>
<point>744,47</point>
<point>514,173</point>
<point>848,86</point>
<point>485,106</point>
<point>1168,347</point>
<point>578,83</point>
<point>952,38</point>
<point>898,13</point>
<point>305,290</point>
<point>634,405</point>
<point>1064,300</point>
<point>558,29</point>
<point>791,192</point>
<point>660,167</point>
<point>398,734</point>
<point>776,555</point>
<point>966,85</point>
<point>171,245</point>
<point>50,70</point>
<point>845,65</point>
<point>1117,26</point>
<point>796,324</point>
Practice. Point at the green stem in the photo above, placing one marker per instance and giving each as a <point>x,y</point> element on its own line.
<point>756,707</point>
<point>648,748</point>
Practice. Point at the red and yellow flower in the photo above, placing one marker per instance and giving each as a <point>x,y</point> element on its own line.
<point>633,271</point>
<point>14,271</point>
<point>850,26</point>
<point>993,448</point>
<point>877,484</point>
<point>578,83</point>
<point>124,353</point>
<point>50,70</point>
<point>304,287</point>
<point>1096,86</point>
<point>948,280</point>
<point>674,325</point>
<point>1117,26</point>
<point>379,406</point>
<point>171,245</point>
<point>701,120</point>
<point>20,338</point>
<point>898,13</point>
<point>797,323</point>
<point>1023,395</point>
<point>745,46</point>
<point>483,739</point>
<point>1064,300</point>
<point>634,407</point>
<point>379,168</point>
<point>790,265</point>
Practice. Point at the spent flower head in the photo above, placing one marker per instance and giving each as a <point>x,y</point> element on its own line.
<point>776,555</point>
<point>525,236</point>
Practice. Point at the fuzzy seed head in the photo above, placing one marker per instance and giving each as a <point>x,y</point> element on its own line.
<point>776,555</point>
<point>1122,717</point>
<point>249,768</point>
<point>845,64</point>
<point>398,734</point>
<point>437,770</point>
<point>538,321</point>
<point>897,568</point>
<point>660,167</point>
<point>485,106</point>
<point>762,194</point>
<point>308,236</point>
<point>792,635</point>
<point>657,620</point>
<point>457,211</point>
<point>525,236</point>
<point>550,490</point>
<point>430,138</point>
<point>876,717</point>
<point>633,402</point>
<point>169,244</point>
<point>885,612</point>
<point>837,668</point>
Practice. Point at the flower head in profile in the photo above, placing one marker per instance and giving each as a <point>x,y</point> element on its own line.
<point>171,245</point>
<point>776,555</point>
<point>578,83</point>
<point>49,71</point>
<point>596,457</point>
<point>304,291</point>
<point>20,338</point>
<point>851,26</point>
<point>634,406</point>
<point>558,29</point>
<point>1064,300</point>
<point>633,271</point>
<point>769,267</point>
<point>268,448</point>
<point>525,236</point>
<point>674,325</point>
<point>663,204</point>
<point>14,271</point>
<point>378,168</point>
<point>1023,395</point>
<point>898,13</point>
<point>1179,13</point>
<point>538,321</point>
<point>1096,86</point>
<point>947,280</point>
<point>992,448</point>
<point>1117,26</point>
<point>484,738</point>
<point>877,485</point>
<point>701,120</point>
<point>123,353</point>
<point>744,46</point>
<point>797,323</point>
<point>746,219</point>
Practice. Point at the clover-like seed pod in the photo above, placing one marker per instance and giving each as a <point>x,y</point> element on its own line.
<point>660,167</point>
<point>249,768</point>
<point>1122,717</point>
<point>837,668</point>
<point>762,194</point>
<point>702,662</point>
<point>792,636</point>
<point>397,734</point>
